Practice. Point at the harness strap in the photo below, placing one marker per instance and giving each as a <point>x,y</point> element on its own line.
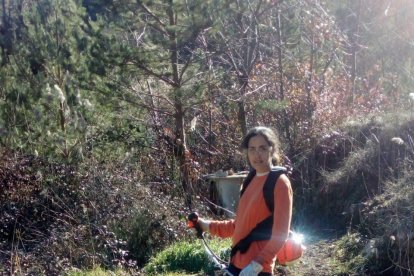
<point>263,230</point>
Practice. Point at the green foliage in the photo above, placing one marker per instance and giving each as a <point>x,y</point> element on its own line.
<point>186,256</point>
<point>53,52</point>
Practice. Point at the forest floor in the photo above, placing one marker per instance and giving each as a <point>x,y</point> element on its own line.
<point>318,258</point>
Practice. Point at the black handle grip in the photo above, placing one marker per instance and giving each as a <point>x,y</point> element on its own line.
<point>193,223</point>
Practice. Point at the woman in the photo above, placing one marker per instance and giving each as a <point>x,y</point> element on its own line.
<point>262,148</point>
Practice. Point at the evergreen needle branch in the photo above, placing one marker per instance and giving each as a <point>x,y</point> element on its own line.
<point>159,76</point>
<point>151,95</point>
<point>136,103</point>
<point>149,12</point>
<point>139,93</point>
<point>192,77</point>
<point>184,68</point>
<point>164,32</point>
<point>229,98</point>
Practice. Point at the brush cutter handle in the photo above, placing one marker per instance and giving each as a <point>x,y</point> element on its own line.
<point>193,223</point>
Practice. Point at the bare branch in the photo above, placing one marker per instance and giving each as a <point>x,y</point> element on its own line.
<point>148,11</point>
<point>157,75</point>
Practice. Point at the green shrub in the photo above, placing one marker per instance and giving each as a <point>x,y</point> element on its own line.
<point>186,256</point>
<point>388,218</point>
<point>351,165</point>
<point>149,231</point>
<point>348,254</point>
<point>142,242</point>
<point>55,216</point>
<point>98,271</point>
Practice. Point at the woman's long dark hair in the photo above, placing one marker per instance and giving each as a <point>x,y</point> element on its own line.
<point>271,138</point>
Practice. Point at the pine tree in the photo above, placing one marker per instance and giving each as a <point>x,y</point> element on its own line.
<point>161,52</point>
<point>46,74</point>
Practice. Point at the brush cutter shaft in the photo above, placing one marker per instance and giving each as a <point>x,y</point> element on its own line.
<point>219,265</point>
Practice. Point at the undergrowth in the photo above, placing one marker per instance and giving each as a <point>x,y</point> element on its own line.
<point>57,217</point>
<point>98,271</point>
<point>187,257</point>
<point>363,182</point>
<point>348,255</point>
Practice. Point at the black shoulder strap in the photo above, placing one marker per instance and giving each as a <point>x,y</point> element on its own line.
<point>263,230</point>
<point>247,181</point>
<point>269,186</point>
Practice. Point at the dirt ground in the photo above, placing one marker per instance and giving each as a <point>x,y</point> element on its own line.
<point>317,259</point>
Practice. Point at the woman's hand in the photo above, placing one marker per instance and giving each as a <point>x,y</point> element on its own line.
<point>198,224</point>
<point>252,269</point>
<point>204,224</point>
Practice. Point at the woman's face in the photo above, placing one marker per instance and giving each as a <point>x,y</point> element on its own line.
<point>259,154</point>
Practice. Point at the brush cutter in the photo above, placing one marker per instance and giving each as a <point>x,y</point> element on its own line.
<point>218,264</point>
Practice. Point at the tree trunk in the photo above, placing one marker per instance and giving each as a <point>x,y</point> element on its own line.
<point>179,115</point>
<point>4,31</point>
<point>242,111</point>
<point>281,75</point>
